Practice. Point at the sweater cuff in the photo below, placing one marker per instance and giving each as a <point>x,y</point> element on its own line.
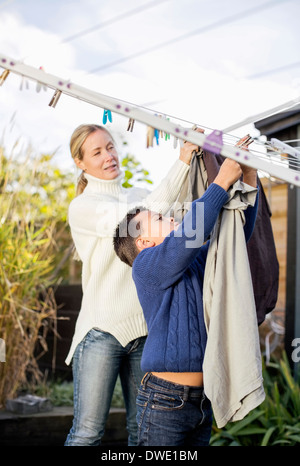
<point>178,171</point>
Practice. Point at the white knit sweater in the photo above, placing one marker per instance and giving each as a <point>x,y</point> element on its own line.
<point>110,301</point>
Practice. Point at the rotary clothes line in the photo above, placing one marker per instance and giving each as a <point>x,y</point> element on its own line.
<point>212,143</point>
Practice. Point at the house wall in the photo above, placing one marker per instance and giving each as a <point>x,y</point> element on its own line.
<point>277,193</point>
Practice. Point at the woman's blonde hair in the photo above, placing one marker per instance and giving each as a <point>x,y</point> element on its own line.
<point>76,142</point>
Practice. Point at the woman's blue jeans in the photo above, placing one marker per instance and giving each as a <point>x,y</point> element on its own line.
<point>170,414</point>
<point>97,362</point>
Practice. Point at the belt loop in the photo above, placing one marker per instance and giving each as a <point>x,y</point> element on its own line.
<point>145,379</point>
<point>185,393</point>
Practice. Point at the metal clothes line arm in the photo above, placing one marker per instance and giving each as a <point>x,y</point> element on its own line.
<point>212,142</point>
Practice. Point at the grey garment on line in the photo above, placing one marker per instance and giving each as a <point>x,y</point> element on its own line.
<point>261,246</point>
<point>232,363</point>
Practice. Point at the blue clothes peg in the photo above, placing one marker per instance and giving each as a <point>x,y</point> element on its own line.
<point>106,114</point>
<point>156,135</point>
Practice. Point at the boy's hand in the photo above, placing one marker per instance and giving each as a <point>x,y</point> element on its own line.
<point>249,173</point>
<point>187,149</point>
<point>230,172</point>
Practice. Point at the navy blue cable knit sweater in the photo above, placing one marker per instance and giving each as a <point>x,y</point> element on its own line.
<point>169,282</point>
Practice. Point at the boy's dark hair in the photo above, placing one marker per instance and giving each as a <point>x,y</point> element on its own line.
<point>125,235</point>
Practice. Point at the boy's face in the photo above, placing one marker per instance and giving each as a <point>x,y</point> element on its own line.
<point>154,227</point>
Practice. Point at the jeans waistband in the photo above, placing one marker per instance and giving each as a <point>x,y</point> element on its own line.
<point>185,391</point>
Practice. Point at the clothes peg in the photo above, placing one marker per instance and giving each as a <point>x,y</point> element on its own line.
<point>150,136</point>
<point>3,76</point>
<point>175,142</point>
<point>130,124</point>
<point>106,115</point>
<point>166,135</point>
<point>245,141</point>
<point>156,135</point>
<point>160,132</point>
<point>55,98</point>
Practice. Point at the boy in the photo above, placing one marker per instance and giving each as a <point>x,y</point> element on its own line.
<point>168,263</point>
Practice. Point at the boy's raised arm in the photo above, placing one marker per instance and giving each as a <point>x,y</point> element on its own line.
<point>164,264</point>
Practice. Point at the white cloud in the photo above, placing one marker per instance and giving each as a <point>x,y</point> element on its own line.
<point>34,46</point>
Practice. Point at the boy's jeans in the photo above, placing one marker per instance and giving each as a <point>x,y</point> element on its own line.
<point>170,414</point>
<point>97,361</point>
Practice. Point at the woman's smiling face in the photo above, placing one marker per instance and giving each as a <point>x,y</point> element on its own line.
<point>100,158</point>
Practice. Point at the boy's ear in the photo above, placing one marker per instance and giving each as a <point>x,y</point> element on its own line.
<point>142,243</point>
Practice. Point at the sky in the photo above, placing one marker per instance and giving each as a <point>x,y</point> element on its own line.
<point>208,62</point>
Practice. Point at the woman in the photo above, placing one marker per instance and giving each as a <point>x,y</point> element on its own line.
<point>110,329</point>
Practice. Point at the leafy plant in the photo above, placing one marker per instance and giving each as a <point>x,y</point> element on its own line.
<point>276,421</point>
<point>60,392</point>
<point>133,171</point>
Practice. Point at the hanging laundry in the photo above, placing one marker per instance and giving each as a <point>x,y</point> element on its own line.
<point>233,384</point>
<point>106,116</point>
<point>261,248</point>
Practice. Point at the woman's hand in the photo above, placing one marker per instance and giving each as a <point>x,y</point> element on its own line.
<point>187,149</point>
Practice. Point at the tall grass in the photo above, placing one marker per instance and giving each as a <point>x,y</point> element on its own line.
<point>31,226</point>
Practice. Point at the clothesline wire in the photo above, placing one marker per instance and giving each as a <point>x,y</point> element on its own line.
<point>270,156</point>
<point>135,11</point>
<point>192,123</point>
<point>108,22</point>
<point>274,70</point>
<point>156,3</point>
<point>115,19</point>
<point>264,144</point>
<point>292,140</point>
<point>219,23</point>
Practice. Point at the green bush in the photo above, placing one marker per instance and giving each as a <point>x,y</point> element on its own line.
<point>60,393</point>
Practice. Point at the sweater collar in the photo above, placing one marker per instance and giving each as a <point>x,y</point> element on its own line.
<point>97,185</point>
